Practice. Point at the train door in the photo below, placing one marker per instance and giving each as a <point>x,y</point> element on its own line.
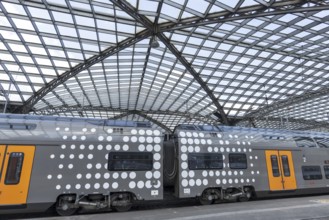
<point>15,171</point>
<point>280,169</point>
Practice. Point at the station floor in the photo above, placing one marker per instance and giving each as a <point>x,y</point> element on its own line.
<point>298,208</point>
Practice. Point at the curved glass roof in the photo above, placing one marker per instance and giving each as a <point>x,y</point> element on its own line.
<point>256,63</point>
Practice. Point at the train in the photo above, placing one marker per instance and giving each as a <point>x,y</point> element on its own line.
<point>71,164</point>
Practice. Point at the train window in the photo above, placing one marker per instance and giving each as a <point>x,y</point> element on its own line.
<point>326,171</point>
<point>119,161</point>
<point>304,142</point>
<point>275,166</point>
<point>311,172</point>
<point>322,142</point>
<point>205,161</point>
<point>14,168</point>
<point>285,164</point>
<point>238,161</point>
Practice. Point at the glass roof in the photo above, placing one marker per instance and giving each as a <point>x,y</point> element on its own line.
<point>215,62</point>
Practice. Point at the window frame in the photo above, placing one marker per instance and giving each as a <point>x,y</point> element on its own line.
<point>189,161</point>
<point>236,167</point>
<point>315,166</point>
<point>111,161</point>
<point>326,170</point>
<point>17,169</point>
<point>275,174</point>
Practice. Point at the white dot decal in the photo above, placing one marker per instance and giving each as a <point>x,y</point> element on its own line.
<point>148,175</point>
<point>72,146</point>
<point>141,132</point>
<point>223,173</point>
<point>132,185</point>
<point>209,141</point>
<point>58,187</point>
<point>236,181</point>
<point>91,147</point>
<point>219,135</point>
<point>224,181</point>
<point>182,134</point>
<point>230,181</point>
<point>191,173</point>
<point>203,141</point>
<point>229,173</point>
<point>124,175</point>
<point>90,156</point>
<point>106,185</point>
<point>149,140</point>
<point>98,166</point>
<point>183,156</point>
<point>156,165</point>
<point>125,147</point>
<point>221,142</point>
<point>134,139</point>
<point>156,174</point>
<point>197,149</point>
<point>148,184</point>
<point>93,130</point>
<point>132,175</point>
<point>196,141</point>
<point>201,134</point>
<point>96,185</point>
<point>140,184</point>
<point>110,131</point>
<point>157,148</point>
<point>52,156</point>
<point>256,157</point>
<point>97,175</point>
<point>63,146</point>
<point>106,175</point>
<point>87,186</point>
<point>227,149</point>
<point>244,150</point>
<point>64,137</point>
<point>227,142</point>
<point>222,149</point>
<point>190,149</point>
<point>70,166</point>
<point>141,139</point>
<point>109,147</point>
<point>216,149</point>
<point>235,173</point>
<point>183,148</point>
<point>205,182</point>
<point>67,129</point>
<point>252,165</point>
<point>217,181</point>
<point>74,137</point>
<point>157,140</point>
<point>77,186</point>
<point>184,183</point>
<point>184,165</point>
<point>88,176</point>
<point>241,173</point>
<point>57,129</point>
<point>242,180</point>
<point>198,182</point>
<point>191,182</point>
<point>68,186</point>
<point>125,139</point>
<point>183,141</point>
<point>109,138</point>
<point>89,166</point>
<point>83,138</point>
<point>149,132</point>
<point>190,141</point>
<point>117,147</point>
<point>82,147</point>
<point>188,134</point>
<point>60,166</point>
<point>156,132</point>
<point>253,180</point>
<point>49,177</point>
<point>141,147</point>
<point>115,185</point>
<point>71,156</point>
<point>217,173</point>
<point>209,149</point>
<point>59,176</point>
<point>211,173</point>
<point>149,147</point>
<point>133,131</point>
<point>184,174</point>
<point>79,176</point>
<point>204,173</point>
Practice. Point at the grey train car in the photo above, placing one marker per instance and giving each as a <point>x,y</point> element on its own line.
<point>77,163</point>
<point>217,163</point>
<point>68,164</point>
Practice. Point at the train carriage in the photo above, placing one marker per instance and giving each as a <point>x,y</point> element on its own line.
<point>69,163</point>
<point>77,162</point>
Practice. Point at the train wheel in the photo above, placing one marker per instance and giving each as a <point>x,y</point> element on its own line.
<point>65,206</point>
<point>247,195</point>
<point>121,202</point>
<point>206,198</point>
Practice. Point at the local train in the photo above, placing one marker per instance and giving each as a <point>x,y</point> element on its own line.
<point>67,164</point>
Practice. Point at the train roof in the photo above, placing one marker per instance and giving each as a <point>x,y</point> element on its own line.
<point>283,132</point>
<point>100,122</point>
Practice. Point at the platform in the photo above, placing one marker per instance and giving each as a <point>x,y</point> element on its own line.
<point>303,208</point>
